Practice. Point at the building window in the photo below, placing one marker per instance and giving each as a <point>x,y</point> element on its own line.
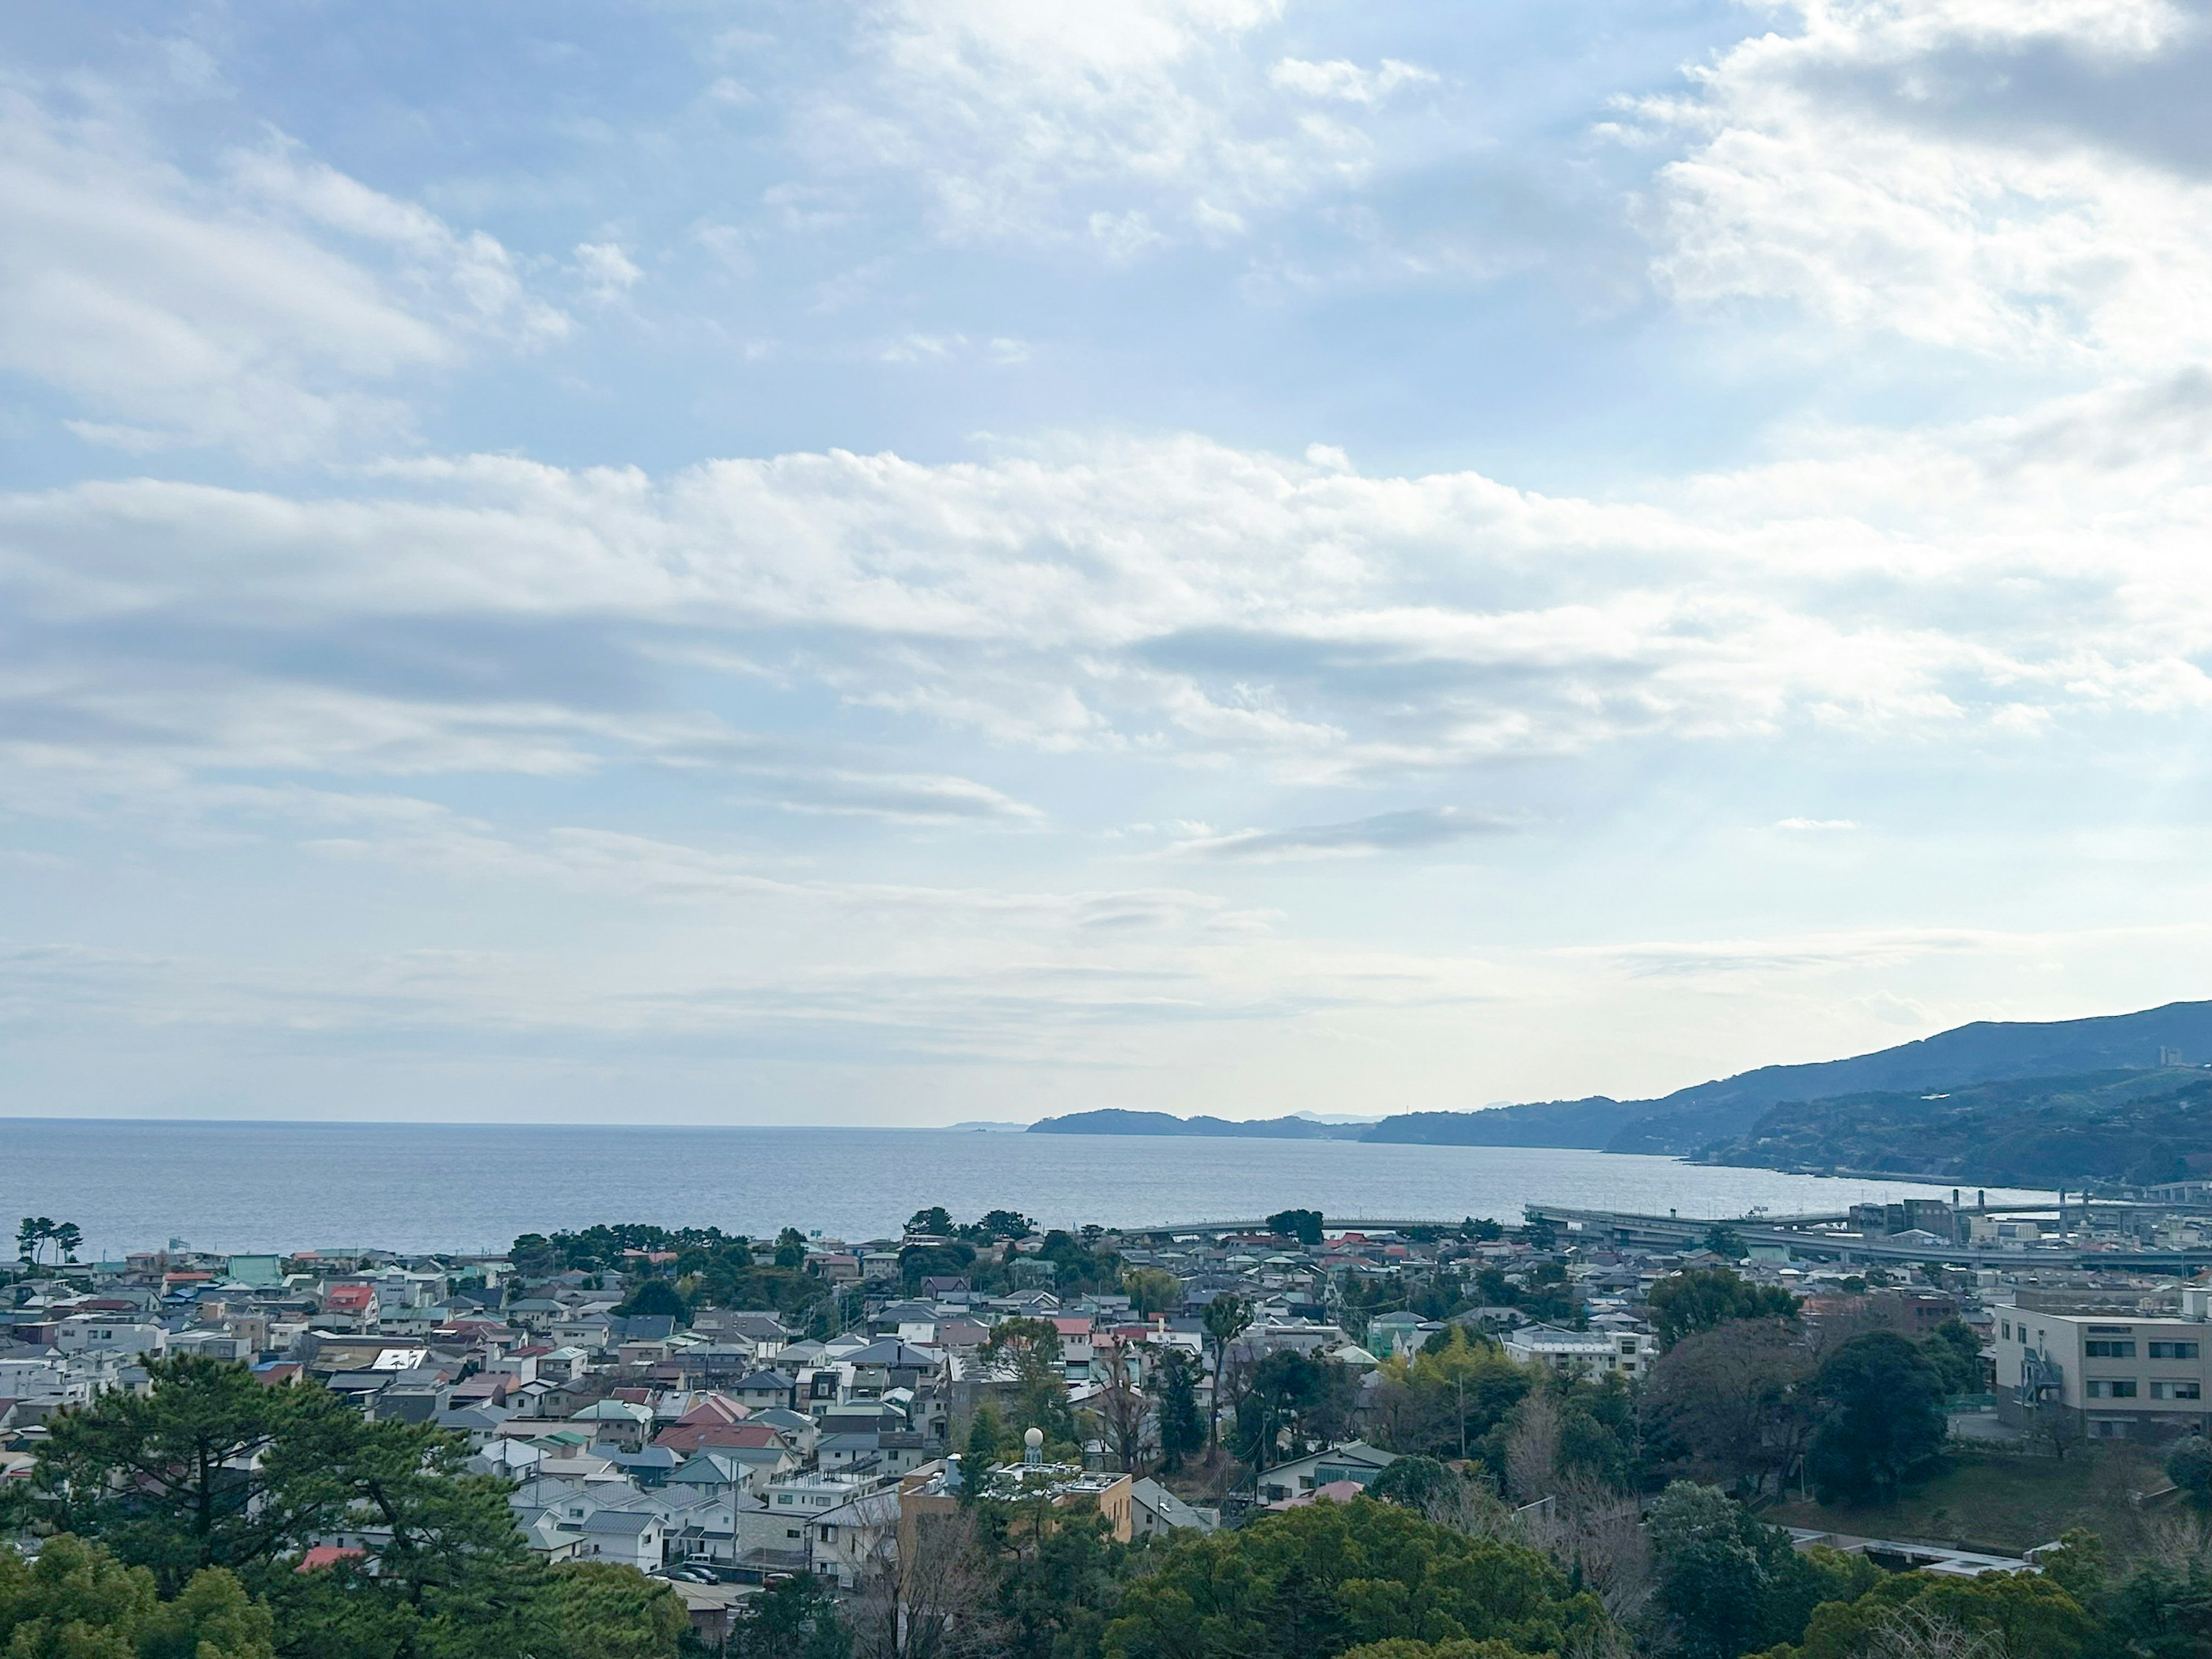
<point>2108,1350</point>
<point>2176,1391</point>
<point>2120,1388</point>
<point>2173,1351</point>
<point>2108,1430</point>
<point>2008,1330</point>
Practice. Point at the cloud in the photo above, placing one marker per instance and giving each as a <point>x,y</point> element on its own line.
<point>1342,82</point>
<point>1385,832</point>
<point>1873,170</point>
<point>171,311</point>
<point>1040,121</point>
<point>1176,599</point>
<point>608,272</point>
<point>1816,825</point>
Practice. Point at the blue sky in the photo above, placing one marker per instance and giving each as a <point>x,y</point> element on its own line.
<point>911,561</point>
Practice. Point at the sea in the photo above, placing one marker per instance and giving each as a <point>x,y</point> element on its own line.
<point>258,1187</point>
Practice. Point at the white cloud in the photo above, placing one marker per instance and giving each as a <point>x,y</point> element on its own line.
<point>1343,82</point>
<point>1012,112</point>
<point>172,311</point>
<point>1816,825</point>
<point>1176,599</point>
<point>608,272</point>
<point>1871,169</point>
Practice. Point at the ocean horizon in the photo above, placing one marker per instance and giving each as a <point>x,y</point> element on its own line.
<point>136,1184</point>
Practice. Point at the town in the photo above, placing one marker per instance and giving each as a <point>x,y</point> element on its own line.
<point>728,1418</point>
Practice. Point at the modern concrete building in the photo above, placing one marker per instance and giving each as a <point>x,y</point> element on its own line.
<point>2122,1378</point>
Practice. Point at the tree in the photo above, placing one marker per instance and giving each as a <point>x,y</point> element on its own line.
<point>1726,1584</point>
<point>1724,1241</point>
<point>34,1231</point>
<point>791,1249</point>
<point>997,1225</point>
<point>1320,1579</point>
<point>655,1297</point>
<point>1698,1299</point>
<point>1732,1405</point>
<point>603,1610</point>
<point>1182,1429</point>
<point>1152,1290</point>
<point>1304,1226</point>
<point>1121,1406</point>
<point>795,1619</point>
<point>1956,1353</point>
<point>1226,1318</point>
<point>1880,1406</point>
<point>1029,1349</point>
<point>179,1479</point>
<point>988,1446</point>
<point>1286,1387</point>
<point>77,1602</point>
<point>935,1222</point>
<point>446,1574</point>
<point>931,1596</point>
<point>2189,1466</point>
<point>1415,1482</point>
<point>1445,1401</point>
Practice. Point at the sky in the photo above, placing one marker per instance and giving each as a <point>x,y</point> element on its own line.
<point>893,561</point>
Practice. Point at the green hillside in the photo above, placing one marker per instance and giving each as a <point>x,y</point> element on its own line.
<point>2136,1126</point>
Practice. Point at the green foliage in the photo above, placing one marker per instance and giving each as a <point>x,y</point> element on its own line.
<point>1081,1265</point>
<point>603,1610</point>
<point>598,1248</point>
<point>1956,1354</point>
<point>996,1224</point>
<point>935,1222</point>
<point>38,1231</point>
<point>1699,1298</point>
<point>1414,1482</point>
<point>2030,1617</point>
<point>1723,1240</point>
<point>1287,1389</point>
<point>179,1479</point>
<point>1152,1290</point>
<point>1031,1349</point>
<point>1304,1226</point>
<point>989,1445</point>
<point>921,1262</point>
<point>656,1297</point>
<point>2189,1466</point>
<point>1182,1425</point>
<point>795,1619</point>
<point>1881,1415</point>
<point>1485,1232</point>
<point>2162,1611</point>
<point>77,1602</point>
<point>1725,1584</point>
<point>1446,1401</point>
<point>1058,1589</point>
<point>1315,1583</point>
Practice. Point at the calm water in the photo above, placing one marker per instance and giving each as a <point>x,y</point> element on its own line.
<point>268,1186</point>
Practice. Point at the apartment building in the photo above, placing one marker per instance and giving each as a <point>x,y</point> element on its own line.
<point>2124,1378</point>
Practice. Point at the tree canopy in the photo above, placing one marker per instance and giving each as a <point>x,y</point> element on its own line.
<point>1322,1581</point>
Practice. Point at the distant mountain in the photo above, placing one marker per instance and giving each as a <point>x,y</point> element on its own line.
<point>1589,1123</point>
<point>1985,1051</point>
<point>1112,1120</point>
<point>2139,1127</point>
<point>1988,1051</point>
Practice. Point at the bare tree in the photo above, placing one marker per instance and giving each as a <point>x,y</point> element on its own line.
<point>1123,1407</point>
<point>1732,1405</point>
<point>933,1599</point>
<point>1531,1448</point>
<point>1910,1633</point>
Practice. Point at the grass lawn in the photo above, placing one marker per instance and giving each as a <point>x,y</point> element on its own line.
<point>2006,1502</point>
